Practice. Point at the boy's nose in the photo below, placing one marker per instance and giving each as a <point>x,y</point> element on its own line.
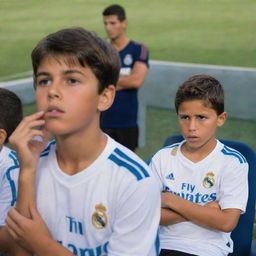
<point>192,124</point>
<point>54,91</point>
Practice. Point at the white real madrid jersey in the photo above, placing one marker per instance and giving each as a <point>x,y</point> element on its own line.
<point>221,176</point>
<point>9,171</point>
<point>110,208</point>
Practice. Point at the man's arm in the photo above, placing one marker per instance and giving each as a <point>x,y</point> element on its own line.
<point>135,79</point>
<point>209,217</point>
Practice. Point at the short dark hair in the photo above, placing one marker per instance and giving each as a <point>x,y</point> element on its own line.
<point>78,44</point>
<point>11,112</point>
<point>201,87</point>
<point>115,9</point>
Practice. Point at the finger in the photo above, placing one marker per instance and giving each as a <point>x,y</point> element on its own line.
<point>30,118</point>
<point>26,128</point>
<point>16,217</point>
<point>12,233</point>
<point>34,116</point>
<point>12,227</point>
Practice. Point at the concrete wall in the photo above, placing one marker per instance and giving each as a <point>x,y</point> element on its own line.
<point>163,80</point>
<point>23,88</point>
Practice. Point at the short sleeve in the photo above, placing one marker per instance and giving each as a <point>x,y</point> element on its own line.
<point>156,172</point>
<point>8,190</point>
<point>234,186</point>
<point>142,54</point>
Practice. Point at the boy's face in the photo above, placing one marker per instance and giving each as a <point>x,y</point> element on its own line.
<point>114,27</point>
<point>198,123</point>
<point>3,136</point>
<point>69,96</point>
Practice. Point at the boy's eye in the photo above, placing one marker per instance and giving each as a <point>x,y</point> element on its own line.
<point>200,117</point>
<point>72,81</point>
<point>184,117</point>
<point>43,82</point>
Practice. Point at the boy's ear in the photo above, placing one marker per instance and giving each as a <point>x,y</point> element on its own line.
<point>107,98</point>
<point>3,136</point>
<point>221,119</point>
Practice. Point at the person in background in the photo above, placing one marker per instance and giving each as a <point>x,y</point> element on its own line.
<point>10,116</point>
<point>120,120</point>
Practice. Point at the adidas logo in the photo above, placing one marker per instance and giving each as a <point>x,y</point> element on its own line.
<point>170,176</point>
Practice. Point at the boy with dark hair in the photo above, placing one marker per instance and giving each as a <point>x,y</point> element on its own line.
<point>95,196</point>
<point>10,116</point>
<point>120,120</point>
<point>204,182</point>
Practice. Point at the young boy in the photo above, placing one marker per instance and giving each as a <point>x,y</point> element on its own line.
<point>204,182</point>
<point>95,196</point>
<point>10,116</point>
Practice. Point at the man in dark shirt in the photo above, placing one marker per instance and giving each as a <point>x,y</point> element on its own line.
<point>120,121</point>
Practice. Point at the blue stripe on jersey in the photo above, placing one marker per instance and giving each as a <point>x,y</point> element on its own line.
<point>129,167</point>
<point>15,165</point>
<point>228,151</point>
<point>157,244</point>
<point>123,155</point>
<point>47,150</point>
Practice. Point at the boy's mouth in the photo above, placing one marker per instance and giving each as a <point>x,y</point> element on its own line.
<point>192,138</point>
<point>53,112</point>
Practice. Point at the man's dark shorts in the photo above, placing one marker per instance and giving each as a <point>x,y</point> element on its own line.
<point>125,136</point>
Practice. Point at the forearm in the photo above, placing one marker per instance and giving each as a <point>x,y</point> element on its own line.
<point>135,79</point>
<point>129,82</point>
<point>4,239</point>
<point>169,217</point>
<point>223,220</point>
<point>26,192</point>
<point>25,199</point>
<point>7,244</point>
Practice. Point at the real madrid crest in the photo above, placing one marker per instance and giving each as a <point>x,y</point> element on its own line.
<point>99,217</point>
<point>128,59</point>
<point>209,180</point>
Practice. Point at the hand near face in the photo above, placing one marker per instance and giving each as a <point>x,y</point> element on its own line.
<point>23,140</point>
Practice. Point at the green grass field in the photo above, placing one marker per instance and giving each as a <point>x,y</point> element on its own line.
<point>202,31</point>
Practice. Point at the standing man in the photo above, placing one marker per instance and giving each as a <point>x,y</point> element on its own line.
<point>120,121</point>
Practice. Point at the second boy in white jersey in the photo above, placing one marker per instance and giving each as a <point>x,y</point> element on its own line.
<point>204,182</point>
